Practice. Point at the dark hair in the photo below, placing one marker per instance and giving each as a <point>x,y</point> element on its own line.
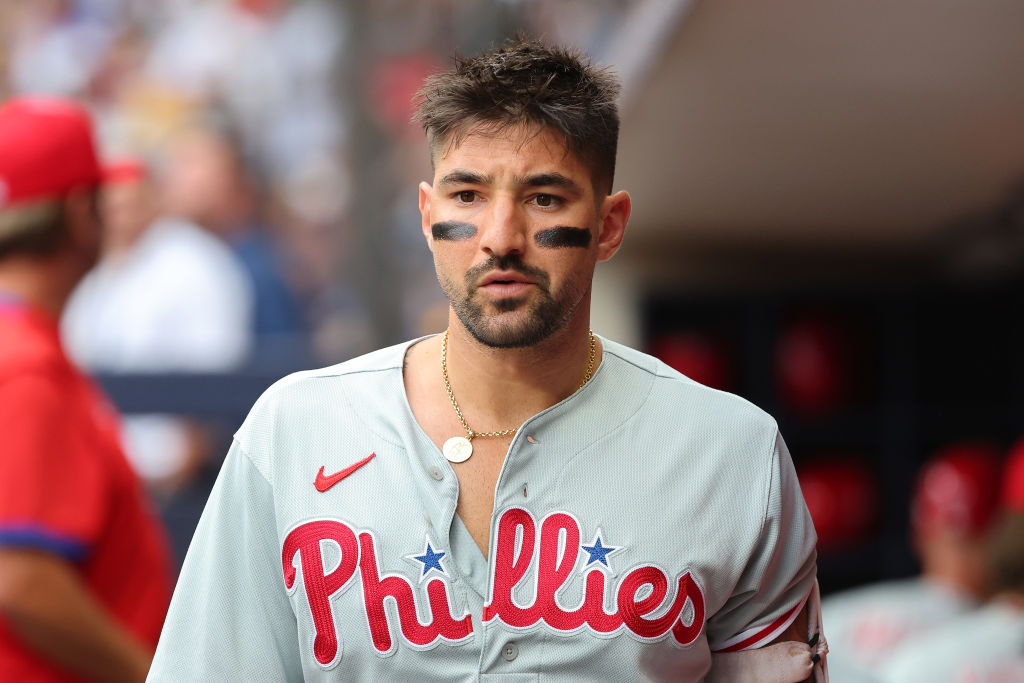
<point>35,229</point>
<point>527,83</point>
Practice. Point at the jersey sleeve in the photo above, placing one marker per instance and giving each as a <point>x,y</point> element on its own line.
<point>53,491</point>
<point>230,619</point>
<point>780,574</point>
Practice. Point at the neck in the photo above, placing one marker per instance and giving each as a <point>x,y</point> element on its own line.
<point>42,283</point>
<point>500,388</point>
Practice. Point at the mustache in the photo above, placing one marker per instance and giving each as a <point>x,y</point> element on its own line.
<point>507,262</point>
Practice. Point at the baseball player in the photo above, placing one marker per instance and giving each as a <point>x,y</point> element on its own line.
<point>986,645</point>
<point>515,498</point>
<point>955,500</point>
<point>84,567</point>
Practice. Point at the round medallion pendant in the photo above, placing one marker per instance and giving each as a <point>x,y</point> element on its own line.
<point>457,449</point>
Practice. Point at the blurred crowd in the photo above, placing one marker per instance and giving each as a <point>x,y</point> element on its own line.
<point>230,131</point>
<point>229,113</point>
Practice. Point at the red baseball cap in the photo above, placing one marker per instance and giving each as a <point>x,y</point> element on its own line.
<point>124,170</point>
<point>46,150</point>
<point>958,490</point>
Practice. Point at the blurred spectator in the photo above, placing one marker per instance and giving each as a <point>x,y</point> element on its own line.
<point>167,296</point>
<point>206,181</point>
<point>955,500</point>
<point>84,575</point>
<point>986,646</point>
<point>57,48</point>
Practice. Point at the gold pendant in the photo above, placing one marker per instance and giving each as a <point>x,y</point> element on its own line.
<point>457,449</point>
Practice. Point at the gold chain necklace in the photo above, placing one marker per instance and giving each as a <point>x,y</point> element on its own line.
<point>459,448</point>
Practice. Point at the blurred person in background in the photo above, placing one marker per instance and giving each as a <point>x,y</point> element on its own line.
<point>206,181</point>
<point>987,645</point>
<point>954,504</point>
<point>84,569</point>
<point>167,296</point>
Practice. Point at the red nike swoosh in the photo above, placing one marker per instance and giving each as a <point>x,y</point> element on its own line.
<point>323,483</point>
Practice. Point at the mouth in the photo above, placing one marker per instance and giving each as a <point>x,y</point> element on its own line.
<point>505,284</point>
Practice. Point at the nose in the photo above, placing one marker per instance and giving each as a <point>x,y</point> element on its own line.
<point>503,229</point>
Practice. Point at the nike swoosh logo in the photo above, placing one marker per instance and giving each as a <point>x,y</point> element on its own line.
<point>324,482</point>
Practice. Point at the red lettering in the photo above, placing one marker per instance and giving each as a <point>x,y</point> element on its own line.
<point>376,590</point>
<point>597,618</point>
<point>633,612</point>
<point>555,564</point>
<point>509,569</point>
<point>684,634</point>
<point>305,540</point>
<point>553,571</point>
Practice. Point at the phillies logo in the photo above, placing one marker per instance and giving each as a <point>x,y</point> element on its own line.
<point>553,563</point>
<point>553,554</point>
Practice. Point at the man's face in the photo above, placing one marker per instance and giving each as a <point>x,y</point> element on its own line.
<point>515,229</point>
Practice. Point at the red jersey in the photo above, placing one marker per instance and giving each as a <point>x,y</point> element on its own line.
<point>66,488</point>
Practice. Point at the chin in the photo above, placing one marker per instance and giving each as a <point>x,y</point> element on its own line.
<point>512,329</point>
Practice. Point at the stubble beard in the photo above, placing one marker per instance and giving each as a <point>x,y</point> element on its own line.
<point>540,319</point>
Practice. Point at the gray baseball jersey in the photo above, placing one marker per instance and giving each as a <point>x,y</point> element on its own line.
<point>984,646</point>
<point>869,623</point>
<point>638,525</point>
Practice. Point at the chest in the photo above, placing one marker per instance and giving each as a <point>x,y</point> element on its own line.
<point>382,568</point>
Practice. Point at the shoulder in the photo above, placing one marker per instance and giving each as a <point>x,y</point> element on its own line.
<point>367,389</point>
<point>374,363</point>
<point>670,394</point>
<point>30,345</point>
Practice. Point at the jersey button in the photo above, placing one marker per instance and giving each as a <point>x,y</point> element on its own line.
<point>509,652</point>
<point>436,473</point>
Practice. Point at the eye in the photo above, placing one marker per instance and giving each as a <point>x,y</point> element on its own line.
<point>465,197</point>
<point>547,201</point>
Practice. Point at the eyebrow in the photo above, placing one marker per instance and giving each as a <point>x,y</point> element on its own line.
<point>463,177</point>
<point>548,180</point>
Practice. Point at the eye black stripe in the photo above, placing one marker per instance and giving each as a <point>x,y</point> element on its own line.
<point>563,236</point>
<point>452,230</point>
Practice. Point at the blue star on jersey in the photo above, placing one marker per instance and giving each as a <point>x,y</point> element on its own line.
<point>598,551</point>
<point>430,560</point>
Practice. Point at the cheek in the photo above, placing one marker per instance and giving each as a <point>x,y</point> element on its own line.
<point>450,259</point>
<point>453,231</point>
<point>563,237</point>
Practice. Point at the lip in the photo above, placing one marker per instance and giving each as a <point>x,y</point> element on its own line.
<point>505,283</point>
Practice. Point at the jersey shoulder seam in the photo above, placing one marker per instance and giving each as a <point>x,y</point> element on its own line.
<point>267,477</point>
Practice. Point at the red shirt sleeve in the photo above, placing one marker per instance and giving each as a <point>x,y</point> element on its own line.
<point>53,491</point>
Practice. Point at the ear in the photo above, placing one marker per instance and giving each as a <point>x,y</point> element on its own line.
<point>84,225</point>
<point>615,210</point>
<point>425,190</point>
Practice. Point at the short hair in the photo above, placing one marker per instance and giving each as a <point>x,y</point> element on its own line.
<point>527,83</point>
<point>32,229</point>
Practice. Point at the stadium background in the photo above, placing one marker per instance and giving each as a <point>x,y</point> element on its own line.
<point>828,202</point>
